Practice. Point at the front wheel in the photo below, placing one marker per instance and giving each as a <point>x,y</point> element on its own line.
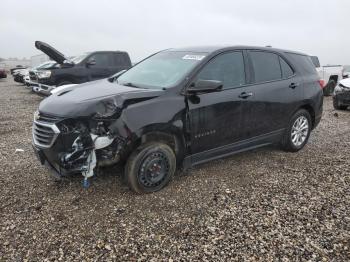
<point>298,131</point>
<point>150,167</point>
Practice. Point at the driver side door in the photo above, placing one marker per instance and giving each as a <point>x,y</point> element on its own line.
<point>215,118</point>
<point>100,67</point>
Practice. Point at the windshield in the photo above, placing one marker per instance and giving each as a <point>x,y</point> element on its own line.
<point>161,70</point>
<point>79,58</point>
<point>46,65</point>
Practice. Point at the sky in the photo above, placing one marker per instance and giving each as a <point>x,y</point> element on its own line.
<point>315,27</point>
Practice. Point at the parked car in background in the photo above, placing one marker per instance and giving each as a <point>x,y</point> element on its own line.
<point>330,74</point>
<point>180,107</point>
<point>81,69</point>
<point>30,76</point>
<point>18,75</point>
<point>12,70</point>
<point>3,73</point>
<point>341,95</point>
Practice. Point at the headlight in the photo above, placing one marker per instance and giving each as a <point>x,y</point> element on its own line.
<point>43,73</point>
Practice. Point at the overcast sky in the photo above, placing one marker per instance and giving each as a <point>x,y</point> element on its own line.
<point>142,27</point>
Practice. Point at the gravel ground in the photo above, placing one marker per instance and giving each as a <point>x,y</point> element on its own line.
<point>260,205</point>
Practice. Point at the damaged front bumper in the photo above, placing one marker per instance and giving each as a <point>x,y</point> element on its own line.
<point>70,150</point>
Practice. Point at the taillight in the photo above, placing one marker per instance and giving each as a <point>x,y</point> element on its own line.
<point>321,82</point>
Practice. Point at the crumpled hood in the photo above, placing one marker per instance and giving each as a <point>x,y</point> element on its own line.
<point>93,97</point>
<point>345,82</point>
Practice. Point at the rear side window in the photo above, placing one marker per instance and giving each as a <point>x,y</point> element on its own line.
<point>303,63</point>
<point>266,66</point>
<point>315,61</point>
<point>120,59</point>
<point>287,71</point>
<point>227,68</point>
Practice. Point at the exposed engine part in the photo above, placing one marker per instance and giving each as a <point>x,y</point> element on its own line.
<point>101,141</point>
<point>88,168</point>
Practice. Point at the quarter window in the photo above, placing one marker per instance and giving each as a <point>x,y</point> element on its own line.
<point>266,66</point>
<point>227,68</point>
<point>287,71</point>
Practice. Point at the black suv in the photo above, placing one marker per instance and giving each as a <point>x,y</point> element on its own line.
<point>179,108</point>
<point>80,69</point>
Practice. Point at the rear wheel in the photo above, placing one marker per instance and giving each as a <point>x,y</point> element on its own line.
<point>337,105</point>
<point>150,167</point>
<point>329,89</point>
<point>298,132</point>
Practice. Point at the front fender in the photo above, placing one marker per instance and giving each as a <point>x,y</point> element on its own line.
<point>163,114</point>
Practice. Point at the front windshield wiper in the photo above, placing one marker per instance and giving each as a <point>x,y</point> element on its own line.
<point>131,85</point>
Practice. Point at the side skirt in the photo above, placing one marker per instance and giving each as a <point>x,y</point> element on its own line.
<point>234,148</point>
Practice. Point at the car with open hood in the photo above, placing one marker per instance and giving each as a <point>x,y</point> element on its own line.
<point>341,95</point>
<point>179,108</point>
<point>82,68</point>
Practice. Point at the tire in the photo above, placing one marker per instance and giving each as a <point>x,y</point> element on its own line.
<point>337,105</point>
<point>329,89</point>
<point>150,167</point>
<point>290,145</point>
<point>64,83</point>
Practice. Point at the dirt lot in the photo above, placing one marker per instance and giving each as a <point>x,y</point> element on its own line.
<point>260,205</point>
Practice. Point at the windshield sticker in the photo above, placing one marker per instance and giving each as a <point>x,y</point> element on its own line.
<point>194,57</point>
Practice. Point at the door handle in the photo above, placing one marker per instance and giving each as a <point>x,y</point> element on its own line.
<point>293,85</point>
<point>245,95</point>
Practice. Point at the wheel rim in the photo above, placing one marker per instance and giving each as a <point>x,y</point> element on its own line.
<point>300,131</point>
<point>154,169</point>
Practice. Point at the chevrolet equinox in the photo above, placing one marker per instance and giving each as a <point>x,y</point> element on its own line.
<point>179,108</point>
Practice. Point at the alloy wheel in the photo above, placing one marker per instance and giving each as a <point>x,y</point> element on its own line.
<point>300,131</point>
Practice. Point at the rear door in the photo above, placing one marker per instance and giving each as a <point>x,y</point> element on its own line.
<point>120,61</point>
<point>215,118</point>
<point>275,93</point>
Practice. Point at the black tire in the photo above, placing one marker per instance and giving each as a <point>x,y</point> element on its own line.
<point>337,105</point>
<point>64,83</point>
<point>139,170</point>
<point>287,143</point>
<point>329,89</point>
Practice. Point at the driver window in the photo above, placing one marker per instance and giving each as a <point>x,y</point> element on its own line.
<point>102,60</point>
<point>227,68</point>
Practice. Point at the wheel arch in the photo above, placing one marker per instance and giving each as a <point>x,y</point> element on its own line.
<point>309,108</point>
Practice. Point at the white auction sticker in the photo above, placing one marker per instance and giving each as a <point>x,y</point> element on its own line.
<point>194,57</point>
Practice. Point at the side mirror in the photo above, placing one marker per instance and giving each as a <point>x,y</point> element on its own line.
<point>205,86</point>
<point>91,62</point>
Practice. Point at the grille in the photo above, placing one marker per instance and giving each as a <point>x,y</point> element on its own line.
<point>48,118</point>
<point>32,76</point>
<point>45,131</point>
